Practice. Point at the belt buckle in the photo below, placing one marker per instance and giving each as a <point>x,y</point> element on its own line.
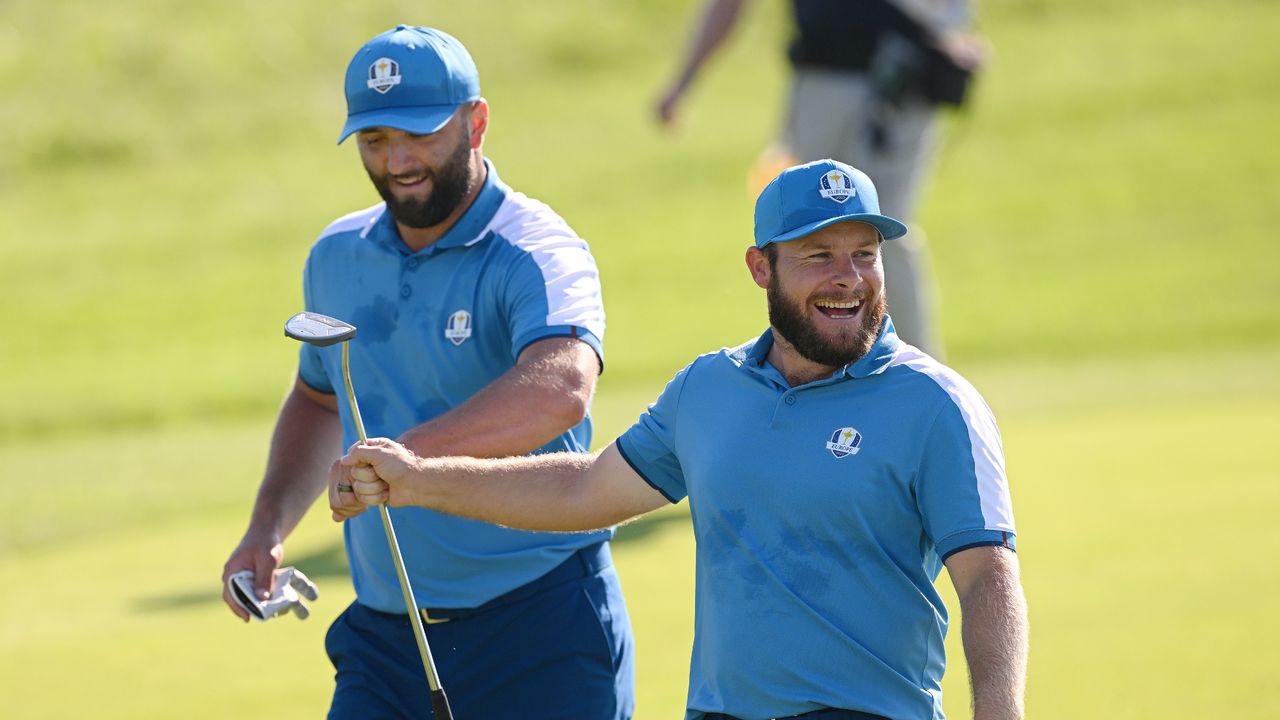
<point>426,617</point>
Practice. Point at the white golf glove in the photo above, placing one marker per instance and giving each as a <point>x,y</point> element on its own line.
<point>290,583</point>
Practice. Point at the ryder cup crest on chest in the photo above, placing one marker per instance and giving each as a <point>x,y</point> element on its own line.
<point>844,442</point>
<point>458,328</point>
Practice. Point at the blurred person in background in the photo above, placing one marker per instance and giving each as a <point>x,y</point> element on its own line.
<point>868,78</point>
<point>480,333</point>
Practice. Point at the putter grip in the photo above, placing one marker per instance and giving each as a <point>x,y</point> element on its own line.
<point>440,705</point>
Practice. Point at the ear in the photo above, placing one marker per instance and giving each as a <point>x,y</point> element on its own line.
<point>479,123</point>
<point>758,264</point>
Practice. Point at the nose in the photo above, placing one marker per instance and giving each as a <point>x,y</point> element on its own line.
<point>400,159</point>
<point>845,273</point>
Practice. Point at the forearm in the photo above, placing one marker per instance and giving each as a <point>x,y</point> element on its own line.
<point>717,22</point>
<point>498,421</point>
<point>994,632</point>
<point>306,440</point>
<point>540,492</point>
<point>556,492</point>
<point>544,395</point>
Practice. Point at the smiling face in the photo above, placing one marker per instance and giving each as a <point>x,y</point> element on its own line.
<point>425,179</point>
<point>826,296</point>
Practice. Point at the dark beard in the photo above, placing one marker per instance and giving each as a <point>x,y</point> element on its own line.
<point>450,185</point>
<point>789,321</point>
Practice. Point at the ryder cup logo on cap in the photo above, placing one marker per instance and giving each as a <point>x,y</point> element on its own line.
<point>408,78</point>
<point>837,186</point>
<point>845,442</point>
<point>789,208</point>
<point>384,74</point>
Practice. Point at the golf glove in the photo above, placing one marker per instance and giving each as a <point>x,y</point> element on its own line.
<point>290,584</point>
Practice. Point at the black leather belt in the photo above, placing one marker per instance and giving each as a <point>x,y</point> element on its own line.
<point>583,563</point>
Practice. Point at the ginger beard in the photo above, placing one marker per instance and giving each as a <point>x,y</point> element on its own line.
<point>790,319</point>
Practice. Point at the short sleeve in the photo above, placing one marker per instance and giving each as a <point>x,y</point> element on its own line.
<point>649,446</point>
<point>311,369</point>
<point>962,491</point>
<point>555,292</point>
<point>310,361</point>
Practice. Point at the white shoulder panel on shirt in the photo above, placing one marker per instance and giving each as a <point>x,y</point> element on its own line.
<point>984,434</point>
<point>569,270</point>
<point>361,220</point>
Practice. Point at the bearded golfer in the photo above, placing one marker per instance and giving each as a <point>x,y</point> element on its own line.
<point>831,469</point>
<point>481,330</point>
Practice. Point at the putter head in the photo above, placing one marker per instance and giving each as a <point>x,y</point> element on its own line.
<point>317,329</point>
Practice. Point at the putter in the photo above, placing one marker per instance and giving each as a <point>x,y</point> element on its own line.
<point>321,331</point>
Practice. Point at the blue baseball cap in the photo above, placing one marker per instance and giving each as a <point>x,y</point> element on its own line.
<point>806,198</point>
<point>409,78</point>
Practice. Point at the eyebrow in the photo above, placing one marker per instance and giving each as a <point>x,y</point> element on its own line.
<point>810,244</point>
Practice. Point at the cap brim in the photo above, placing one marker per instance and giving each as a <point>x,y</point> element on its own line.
<point>422,120</point>
<point>887,226</point>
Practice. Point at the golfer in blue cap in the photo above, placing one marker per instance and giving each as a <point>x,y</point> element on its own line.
<point>480,333</point>
<point>832,471</point>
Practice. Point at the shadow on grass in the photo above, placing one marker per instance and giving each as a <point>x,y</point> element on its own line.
<point>328,562</point>
<point>331,562</point>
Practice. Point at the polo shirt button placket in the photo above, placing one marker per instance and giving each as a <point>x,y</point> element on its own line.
<point>410,264</point>
<point>790,400</point>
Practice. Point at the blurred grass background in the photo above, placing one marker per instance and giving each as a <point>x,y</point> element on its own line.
<point>1100,223</point>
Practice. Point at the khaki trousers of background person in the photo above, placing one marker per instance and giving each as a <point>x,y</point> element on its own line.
<point>836,115</point>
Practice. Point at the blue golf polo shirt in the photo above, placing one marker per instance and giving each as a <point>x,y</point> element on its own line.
<point>433,328</point>
<point>822,515</point>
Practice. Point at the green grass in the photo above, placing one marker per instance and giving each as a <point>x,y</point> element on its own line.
<point>1109,194</point>
<point>1144,514</point>
<point>1100,221</point>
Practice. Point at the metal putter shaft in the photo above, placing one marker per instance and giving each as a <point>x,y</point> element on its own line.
<point>322,330</point>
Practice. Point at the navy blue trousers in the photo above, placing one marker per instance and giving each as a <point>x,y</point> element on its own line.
<point>558,648</point>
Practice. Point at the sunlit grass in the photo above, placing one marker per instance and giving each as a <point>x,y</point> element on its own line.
<point>1101,221</point>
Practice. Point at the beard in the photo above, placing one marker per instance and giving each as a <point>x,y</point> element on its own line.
<point>790,320</point>
<point>449,185</point>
